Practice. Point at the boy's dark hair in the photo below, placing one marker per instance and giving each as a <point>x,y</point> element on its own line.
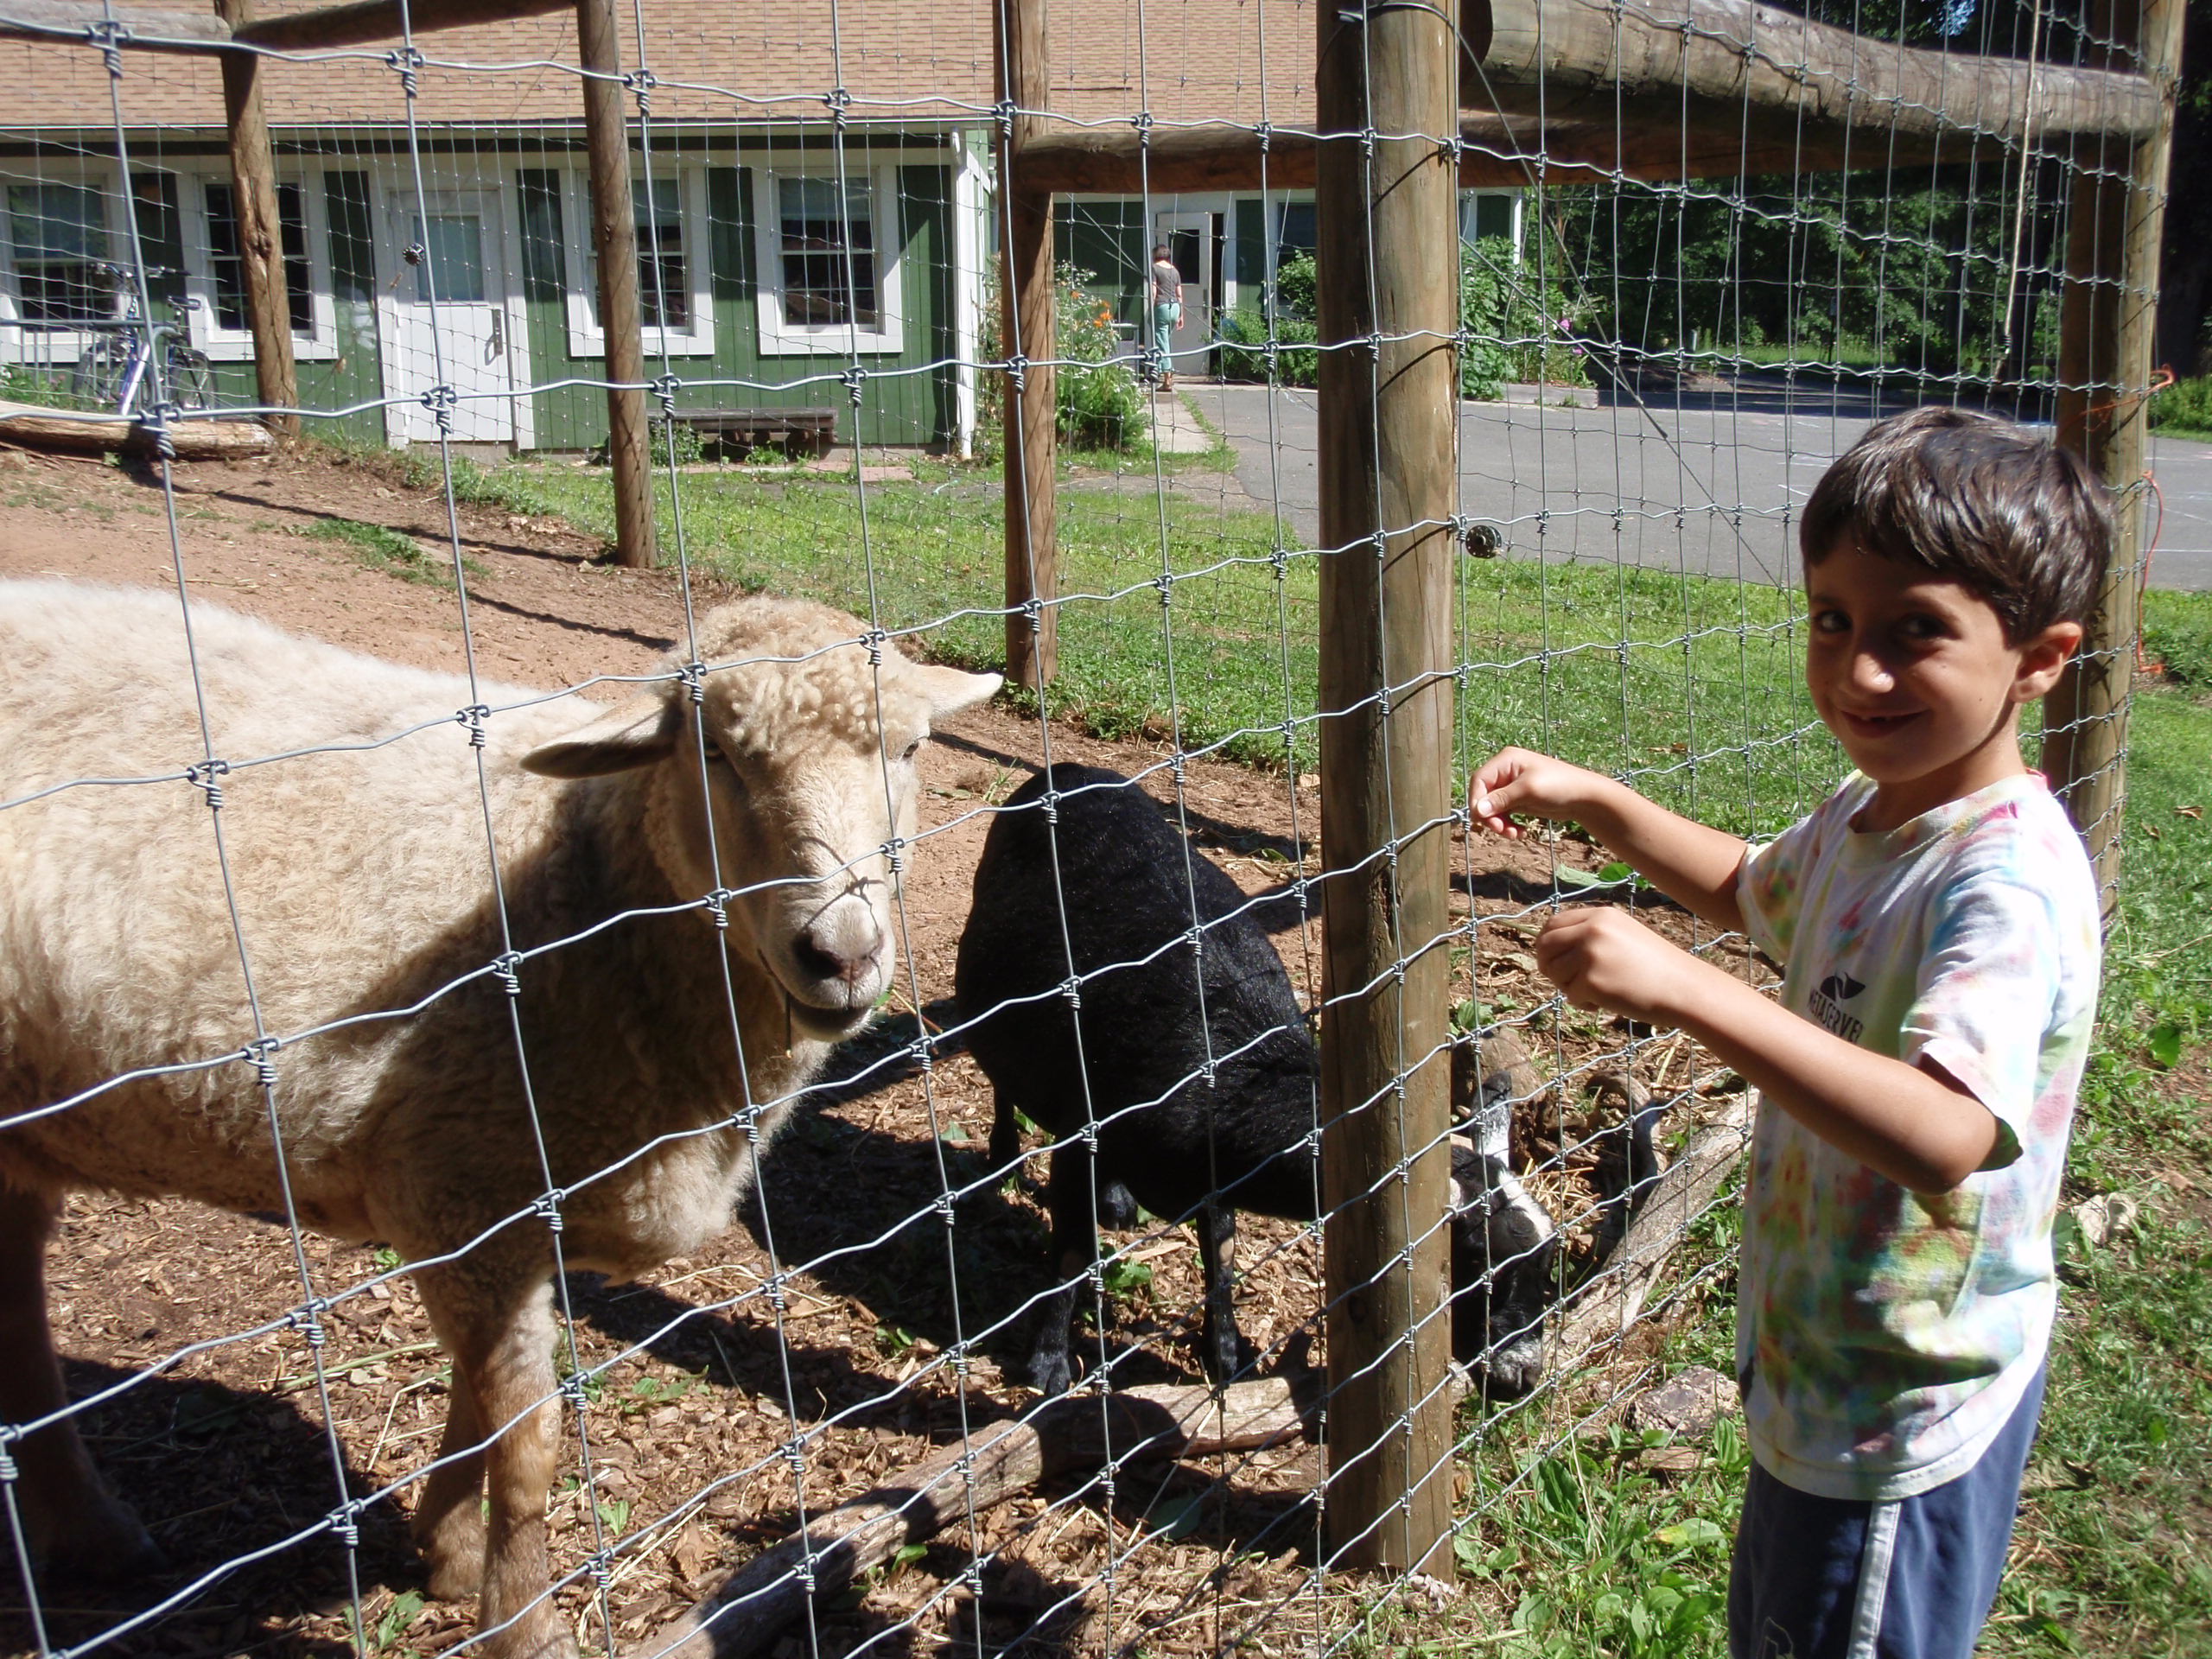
<point>1973,499</point>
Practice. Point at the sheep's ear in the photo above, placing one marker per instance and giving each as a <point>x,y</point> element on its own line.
<point>951,689</point>
<point>632,733</point>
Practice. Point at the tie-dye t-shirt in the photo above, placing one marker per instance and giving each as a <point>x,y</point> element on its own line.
<point>1888,1335</point>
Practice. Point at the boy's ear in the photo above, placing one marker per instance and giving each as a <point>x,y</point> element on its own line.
<point>2043,659</point>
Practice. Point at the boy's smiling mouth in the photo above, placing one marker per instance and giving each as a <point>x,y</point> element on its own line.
<point>1874,725</point>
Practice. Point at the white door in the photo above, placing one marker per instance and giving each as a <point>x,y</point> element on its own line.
<point>1190,238</point>
<point>452,248</point>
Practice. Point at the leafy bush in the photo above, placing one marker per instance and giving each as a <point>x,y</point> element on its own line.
<point>1243,351</point>
<point>1516,331</point>
<point>2185,406</point>
<point>1101,405</point>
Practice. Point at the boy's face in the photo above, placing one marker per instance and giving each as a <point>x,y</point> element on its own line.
<point>1913,675</point>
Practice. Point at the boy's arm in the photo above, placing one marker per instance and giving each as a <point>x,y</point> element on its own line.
<point>1919,1127</point>
<point>1694,865</point>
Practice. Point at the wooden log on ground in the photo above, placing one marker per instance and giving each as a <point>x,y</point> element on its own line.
<point>1636,65</point>
<point>1604,1309</point>
<point>33,426</point>
<point>1000,1460</point>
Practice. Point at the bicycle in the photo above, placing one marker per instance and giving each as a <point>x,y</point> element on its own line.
<point>111,371</point>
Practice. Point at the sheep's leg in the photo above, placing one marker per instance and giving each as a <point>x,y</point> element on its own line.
<point>74,1525</point>
<point>1074,1237</point>
<point>1221,1345</point>
<point>501,1335</point>
<point>1006,1134</point>
<point>449,1523</point>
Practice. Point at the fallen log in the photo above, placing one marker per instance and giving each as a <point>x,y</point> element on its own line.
<point>33,426</point>
<point>1607,1307</point>
<point>993,1463</point>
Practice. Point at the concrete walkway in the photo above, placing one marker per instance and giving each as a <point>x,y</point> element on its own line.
<point>1707,483</point>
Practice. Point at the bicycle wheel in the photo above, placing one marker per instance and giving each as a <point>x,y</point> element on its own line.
<point>191,378</point>
<point>97,376</point>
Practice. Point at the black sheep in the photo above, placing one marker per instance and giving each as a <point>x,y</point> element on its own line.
<point>1118,901</point>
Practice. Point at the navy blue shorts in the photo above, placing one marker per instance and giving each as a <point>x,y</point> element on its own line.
<point>1825,1578</point>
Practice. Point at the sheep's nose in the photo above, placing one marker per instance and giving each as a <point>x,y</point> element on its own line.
<point>844,954</point>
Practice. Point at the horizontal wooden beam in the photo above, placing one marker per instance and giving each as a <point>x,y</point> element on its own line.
<point>1634,67</point>
<point>323,29</point>
<point>364,22</point>
<point>1499,151</point>
<point>42,20</point>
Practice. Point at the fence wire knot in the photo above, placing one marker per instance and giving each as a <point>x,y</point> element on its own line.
<point>693,675</point>
<point>598,1565</point>
<point>718,907</point>
<point>1017,372</point>
<point>508,967</point>
<point>473,718</point>
<point>664,388</point>
<point>894,854</point>
<point>795,1455</point>
<point>206,777</point>
<point>1265,132</point>
<point>343,1525</point>
<point>548,1206</point>
<point>408,61</point>
<point>873,642</point>
<point>1142,122</point>
<point>576,1390</point>
<point>1072,988</point>
<point>309,1319</point>
<point>260,1054</point>
<point>641,83</point>
<point>839,103</point>
<point>8,1467</point>
<point>110,34</point>
<point>441,401</point>
<point>1004,111</point>
<point>854,377</point>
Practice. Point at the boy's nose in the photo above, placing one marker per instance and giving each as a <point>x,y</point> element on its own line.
<point>1870,673</point>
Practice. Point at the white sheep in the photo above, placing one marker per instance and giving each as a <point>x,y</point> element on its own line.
<point>365,888</point>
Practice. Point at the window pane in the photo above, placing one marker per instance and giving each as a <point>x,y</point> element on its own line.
<point>663,293</point>
<point>454,243</point>
<point>227,265</point>
<point>828,252</point>
<point>59,233</point>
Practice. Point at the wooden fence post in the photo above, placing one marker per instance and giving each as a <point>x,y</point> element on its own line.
<point>1389,408</point>
<point>1028,314</point>
<point>615,236</point>
<point>260,231</point>
<point>2106,323</point>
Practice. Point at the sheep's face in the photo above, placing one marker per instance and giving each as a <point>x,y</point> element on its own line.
<point>1504,1250</point>
<point>787,786</point>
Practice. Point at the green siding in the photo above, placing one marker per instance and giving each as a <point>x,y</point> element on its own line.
<point>1106,238</point>
<point>905,399</point>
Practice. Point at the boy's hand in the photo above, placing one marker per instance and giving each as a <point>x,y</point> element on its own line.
<point>1540,785</point>
<point>1602,958</point>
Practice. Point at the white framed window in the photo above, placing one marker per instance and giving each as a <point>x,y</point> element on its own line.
<point>57,234</point>
<point>215,274</point>
<point>675,297</point>
<point>827,251</point>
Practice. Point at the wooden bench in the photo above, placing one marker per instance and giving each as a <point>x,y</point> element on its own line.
<point>736,433</point>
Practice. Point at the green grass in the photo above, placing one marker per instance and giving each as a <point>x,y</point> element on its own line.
<point>381,548</point>
<point>1709,668</point>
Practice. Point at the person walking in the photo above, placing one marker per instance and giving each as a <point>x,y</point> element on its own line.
<point>1166,311</point>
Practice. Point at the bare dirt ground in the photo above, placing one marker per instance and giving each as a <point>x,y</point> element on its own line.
<point>228,1451</point>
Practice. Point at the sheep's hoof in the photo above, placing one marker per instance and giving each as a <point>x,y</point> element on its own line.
<point>1048,1374</point>
<point>453,1554</point>
<point>1117,1207</point>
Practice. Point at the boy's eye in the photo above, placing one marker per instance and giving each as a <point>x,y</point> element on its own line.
<point>1923,627</point>
<point>1830,622</point>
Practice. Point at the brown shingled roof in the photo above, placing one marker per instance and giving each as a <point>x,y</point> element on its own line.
<point>899,61</point>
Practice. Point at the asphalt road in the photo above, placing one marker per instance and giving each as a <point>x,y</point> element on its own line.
<point>1703,486</point>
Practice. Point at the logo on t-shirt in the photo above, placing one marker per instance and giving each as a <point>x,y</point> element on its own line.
<point>1828,1007</point>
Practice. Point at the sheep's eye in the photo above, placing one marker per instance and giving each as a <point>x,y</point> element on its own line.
<point>736,774</point>
<point>912,750</point>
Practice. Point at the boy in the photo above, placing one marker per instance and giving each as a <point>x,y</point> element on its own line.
<point>1938,926</point>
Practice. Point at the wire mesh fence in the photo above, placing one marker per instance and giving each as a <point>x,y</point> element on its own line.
<point>700,1169</point>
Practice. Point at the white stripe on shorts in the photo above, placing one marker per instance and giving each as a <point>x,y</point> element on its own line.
<point>1873,1579</point>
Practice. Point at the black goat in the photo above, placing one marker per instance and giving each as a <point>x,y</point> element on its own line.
<point>1114,910</point>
